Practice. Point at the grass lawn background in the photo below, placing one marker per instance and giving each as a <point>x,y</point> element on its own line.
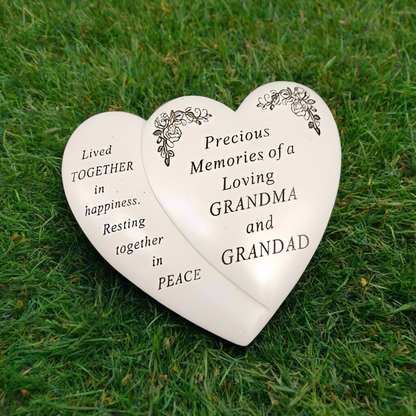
<point>77,338</point>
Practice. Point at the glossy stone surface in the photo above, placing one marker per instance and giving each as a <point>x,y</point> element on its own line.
<point>214,213</point>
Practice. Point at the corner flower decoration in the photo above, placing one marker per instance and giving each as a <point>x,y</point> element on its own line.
<point>168,130</point>
<point>300,102</point>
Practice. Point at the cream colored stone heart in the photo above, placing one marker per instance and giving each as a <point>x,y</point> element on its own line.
<point>212,212</point>
<point>251,190</point>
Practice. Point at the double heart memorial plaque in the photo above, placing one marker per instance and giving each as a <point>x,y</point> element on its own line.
<point>213,212</point>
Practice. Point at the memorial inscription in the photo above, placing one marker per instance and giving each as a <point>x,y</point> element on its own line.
<point>214,213</point>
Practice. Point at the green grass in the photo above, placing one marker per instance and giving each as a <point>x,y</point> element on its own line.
<point>76,338</point>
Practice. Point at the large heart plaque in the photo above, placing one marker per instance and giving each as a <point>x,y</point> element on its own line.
<point>214,213</point>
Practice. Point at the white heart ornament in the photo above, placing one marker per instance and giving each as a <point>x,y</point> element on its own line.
<point>251,190</point>
<point>110,197</point>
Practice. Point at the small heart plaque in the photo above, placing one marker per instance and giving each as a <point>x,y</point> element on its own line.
<point>214,213</point>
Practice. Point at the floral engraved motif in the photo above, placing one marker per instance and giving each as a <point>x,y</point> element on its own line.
<point>168,128</point>
<point>300,102</point>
